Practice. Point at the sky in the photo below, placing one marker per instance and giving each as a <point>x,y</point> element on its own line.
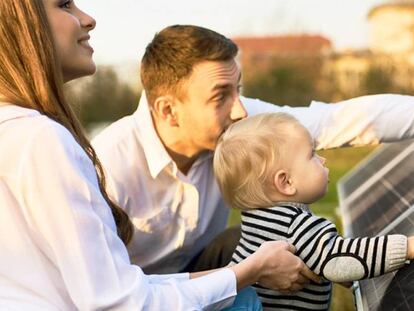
<point>124,27</point>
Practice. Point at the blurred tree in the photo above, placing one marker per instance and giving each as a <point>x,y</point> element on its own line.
<point>391,79</point>
<point>102,98</point>
<point>296,82</point>
<point>378,80</point>
<point>290,81</point>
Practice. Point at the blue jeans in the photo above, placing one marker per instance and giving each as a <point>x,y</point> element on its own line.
<point>246,300</point>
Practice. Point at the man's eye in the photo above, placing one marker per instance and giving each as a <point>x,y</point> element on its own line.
<point>220,97</point>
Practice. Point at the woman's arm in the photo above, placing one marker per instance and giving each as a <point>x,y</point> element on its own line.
<point>75,231</point>
<point>273,265</point>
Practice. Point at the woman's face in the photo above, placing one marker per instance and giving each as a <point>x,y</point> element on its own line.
<point>70,27</point>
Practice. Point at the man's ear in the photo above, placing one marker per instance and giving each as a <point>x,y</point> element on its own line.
<point>283,183</point>
<point>165,108</point>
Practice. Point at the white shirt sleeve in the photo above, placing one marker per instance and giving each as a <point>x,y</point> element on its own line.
<point>73,226</point>
<point>160,278</point>
<point>366,120</point>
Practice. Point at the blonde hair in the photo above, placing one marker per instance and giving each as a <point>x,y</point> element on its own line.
<point>247,156</point>
<point>31,77</point>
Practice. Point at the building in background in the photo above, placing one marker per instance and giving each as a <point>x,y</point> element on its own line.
<point>387,65</point>
<point>391,28</point>
<point>257,54</point>
<point>284,69</point>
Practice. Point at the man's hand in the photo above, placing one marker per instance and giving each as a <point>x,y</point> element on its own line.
<point>274,266</point>
<point>410,248</point>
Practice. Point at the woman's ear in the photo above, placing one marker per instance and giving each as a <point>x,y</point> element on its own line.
<point>165,108</point>
<point>283,183</point>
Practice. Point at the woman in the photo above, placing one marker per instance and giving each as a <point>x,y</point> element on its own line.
<point>62,240</point>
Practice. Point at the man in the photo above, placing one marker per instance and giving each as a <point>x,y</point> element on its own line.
<point>158,161</point>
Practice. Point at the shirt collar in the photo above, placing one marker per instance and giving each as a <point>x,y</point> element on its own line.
<point>156,155</point>
<point>298,205</point>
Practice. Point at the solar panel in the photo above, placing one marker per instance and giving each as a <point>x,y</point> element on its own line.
<point>371,165</point>
<point>376,198</point>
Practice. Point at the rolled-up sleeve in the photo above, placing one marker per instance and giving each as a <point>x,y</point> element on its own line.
<point>366,120</point>
<point>73,226</point>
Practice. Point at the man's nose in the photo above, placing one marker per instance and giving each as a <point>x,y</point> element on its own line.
<point>238,111</point>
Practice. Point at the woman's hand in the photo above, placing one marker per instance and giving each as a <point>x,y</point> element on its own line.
<point>274,266</point>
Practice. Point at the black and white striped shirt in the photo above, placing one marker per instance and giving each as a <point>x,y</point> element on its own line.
<point>321,248</point>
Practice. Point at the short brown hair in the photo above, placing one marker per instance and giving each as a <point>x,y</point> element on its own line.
<point>169,58</point>
<point>248,154</point>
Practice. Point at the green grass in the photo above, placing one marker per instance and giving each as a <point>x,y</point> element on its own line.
<point>339,161</point>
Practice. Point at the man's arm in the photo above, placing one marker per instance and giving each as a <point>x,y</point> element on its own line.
<point>366,120</point>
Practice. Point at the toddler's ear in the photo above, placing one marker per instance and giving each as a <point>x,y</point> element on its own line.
<point>283,183</point>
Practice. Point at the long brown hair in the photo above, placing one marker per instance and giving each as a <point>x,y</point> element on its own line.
<point>31,77</point>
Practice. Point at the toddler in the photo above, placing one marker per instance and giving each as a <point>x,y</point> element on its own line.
<point>266,166</point>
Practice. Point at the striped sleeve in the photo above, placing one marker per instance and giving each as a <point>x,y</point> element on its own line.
<point>261,225</point>
<point>341,259</point>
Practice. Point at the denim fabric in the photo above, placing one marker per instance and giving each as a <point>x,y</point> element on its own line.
<point>246,300</point>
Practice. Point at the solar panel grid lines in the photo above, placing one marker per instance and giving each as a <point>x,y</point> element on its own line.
<point>369,166</point>
<point>363,172</point>
<point>398,220</point>
<point>364,224</point>
<point>399,175</point>
<point>393,291</point>
<point>372,179</point>
<point>385,201</point>
<point>377,198</point>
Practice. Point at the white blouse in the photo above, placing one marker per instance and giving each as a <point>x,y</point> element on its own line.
<point>58,241</point>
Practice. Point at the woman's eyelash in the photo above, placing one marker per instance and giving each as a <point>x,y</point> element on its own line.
<point>66,4</point>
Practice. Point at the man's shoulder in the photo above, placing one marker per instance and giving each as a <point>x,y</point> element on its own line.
<point>119,146</point>
<point>117,133</point>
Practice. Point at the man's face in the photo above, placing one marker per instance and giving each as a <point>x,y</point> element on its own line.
<point>210,104</point>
